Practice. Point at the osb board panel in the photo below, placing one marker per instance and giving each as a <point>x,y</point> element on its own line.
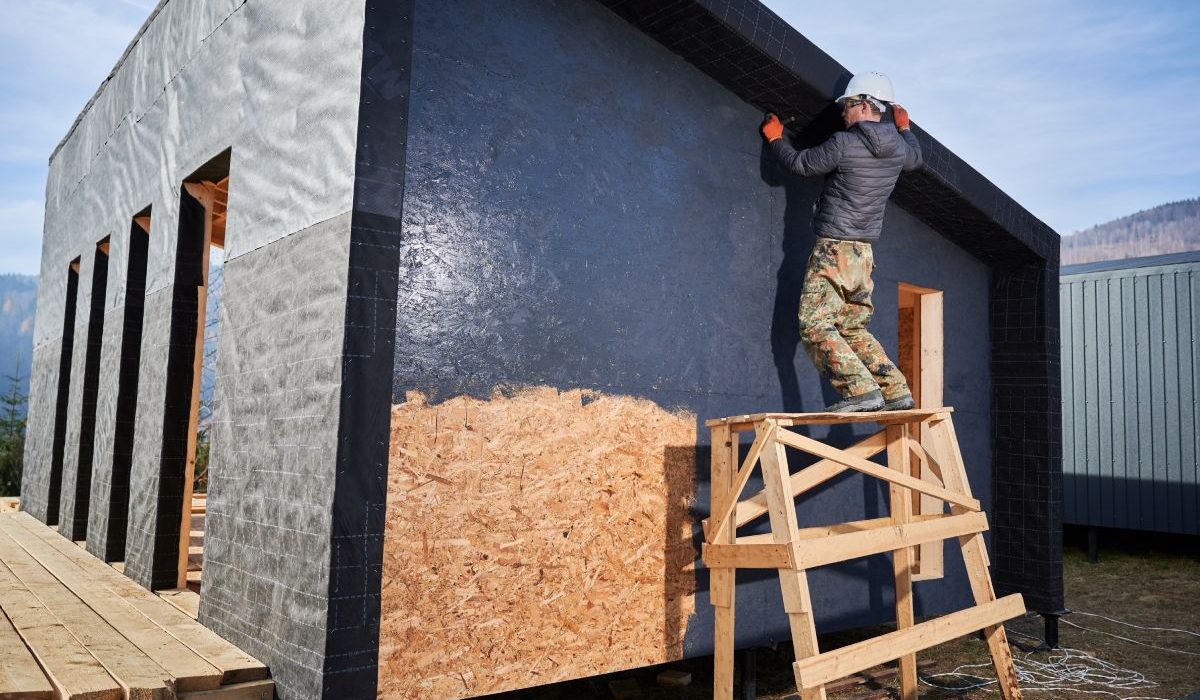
<point>532,538</point>
<point>906,350</point>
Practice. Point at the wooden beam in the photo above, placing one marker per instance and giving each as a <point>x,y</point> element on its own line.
<point>889,538</point>
<point>253,690</point>
<point>902,558</point>
<point>809,533</point>
<point>815,671</point>
<point>235,664</point>
<point>189,670</point>
<point>793,583</point>
<point>70,668</point>
<point>747,422</point>
<point>20,676</point>
<point>143,222</point>
<point>809,477</point>
<point>723,582</point>
<point>932,377</point>
<point>138,675</point>
<point>945,444</point>
<point>820,449</point>
<point>729,498</point>
<point>747,556</point>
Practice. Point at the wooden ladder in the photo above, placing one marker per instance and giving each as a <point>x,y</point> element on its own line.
<point>910,438</point>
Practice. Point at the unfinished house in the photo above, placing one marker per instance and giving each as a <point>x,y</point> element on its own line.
<point>488,266</point>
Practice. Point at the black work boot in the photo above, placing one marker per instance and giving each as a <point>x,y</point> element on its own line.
<point>900,403</point>
<point>870,401</point>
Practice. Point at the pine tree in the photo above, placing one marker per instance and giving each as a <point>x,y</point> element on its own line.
<point>12,434</point>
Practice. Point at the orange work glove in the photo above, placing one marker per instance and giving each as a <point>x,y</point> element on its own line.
<point>772,128</point>
<point>900,114</point>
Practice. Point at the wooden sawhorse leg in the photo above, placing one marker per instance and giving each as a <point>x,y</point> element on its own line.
<point>901,508</point>
<point>954,475</point>
<point>797,602</point>
<point>722,582</point>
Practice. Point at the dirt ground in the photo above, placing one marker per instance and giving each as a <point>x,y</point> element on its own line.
<point>1141,579</point>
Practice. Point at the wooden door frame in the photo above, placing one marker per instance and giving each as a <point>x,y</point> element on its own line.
<point>927,386</point>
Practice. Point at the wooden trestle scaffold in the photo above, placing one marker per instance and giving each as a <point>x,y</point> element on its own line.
<point>910,438</point>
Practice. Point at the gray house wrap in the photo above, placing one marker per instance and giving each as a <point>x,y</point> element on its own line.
<point>461,201</point>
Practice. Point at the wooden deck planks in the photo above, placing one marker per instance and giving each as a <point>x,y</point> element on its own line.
<point>73,672</point>
<point>190,671</point>
<point>20,676</point>
<point>137,675</point>
<point>236,666</point>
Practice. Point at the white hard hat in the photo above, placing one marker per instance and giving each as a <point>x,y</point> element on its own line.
<point>871,84</point>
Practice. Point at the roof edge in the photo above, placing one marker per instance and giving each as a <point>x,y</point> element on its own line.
<point>1191,256</point>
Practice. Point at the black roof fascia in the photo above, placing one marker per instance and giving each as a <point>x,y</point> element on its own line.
<point>765,61</point>
<point>1131,263</point>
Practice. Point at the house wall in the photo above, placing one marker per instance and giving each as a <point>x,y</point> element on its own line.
<point>590,219</point>
<point>202,77</point>
<point>1131,388</point>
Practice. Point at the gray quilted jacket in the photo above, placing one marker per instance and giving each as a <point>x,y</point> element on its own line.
<point>865,162</point>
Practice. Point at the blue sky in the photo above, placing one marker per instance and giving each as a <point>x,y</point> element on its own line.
<point>1082,111</point>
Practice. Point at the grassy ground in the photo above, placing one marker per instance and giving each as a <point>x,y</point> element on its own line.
<point>1145,580</point>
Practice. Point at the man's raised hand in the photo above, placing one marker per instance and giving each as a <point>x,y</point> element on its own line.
<point>772,128</point>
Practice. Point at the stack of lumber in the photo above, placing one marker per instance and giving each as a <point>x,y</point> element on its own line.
<point>73,627</point>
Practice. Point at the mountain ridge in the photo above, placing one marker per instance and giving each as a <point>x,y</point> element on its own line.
<point>1173,227</point>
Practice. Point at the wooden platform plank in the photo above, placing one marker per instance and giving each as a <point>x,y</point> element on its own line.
<point>909,416</point>
<point>253,690</point>
<point>236,665</point>
<point>188,669</point>
<point>817,670</point>
<point>138,675</point>
<point>185,599</point>
<point>20,676</point>
<point>71,670</point>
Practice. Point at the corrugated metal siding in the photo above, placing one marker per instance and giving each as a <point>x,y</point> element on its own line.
<point>1129,370</point>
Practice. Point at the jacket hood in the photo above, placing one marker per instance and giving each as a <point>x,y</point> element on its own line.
<point>882,139</point>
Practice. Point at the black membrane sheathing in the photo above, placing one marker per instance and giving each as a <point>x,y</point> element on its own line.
<point>585,209</point>
<point>75,502</point>
<point>754,54</point>
<point>58,443</point>
<point>356,547</point>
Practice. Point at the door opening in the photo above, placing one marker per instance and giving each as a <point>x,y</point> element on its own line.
<point>203,200</point>
<point>920,359</point>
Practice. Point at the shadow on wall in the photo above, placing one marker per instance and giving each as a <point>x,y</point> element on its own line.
<point>1161,502</point>
<point>802,195</point>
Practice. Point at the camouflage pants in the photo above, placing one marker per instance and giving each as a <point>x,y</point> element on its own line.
<point>835,308</point>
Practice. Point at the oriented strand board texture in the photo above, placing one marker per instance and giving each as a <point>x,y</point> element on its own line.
<point>531,538</point>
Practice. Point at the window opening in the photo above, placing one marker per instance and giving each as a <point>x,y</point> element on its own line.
<point>195,332</point>
<point>64,387</point>
<point>127,387</point>
<point>77,528</point>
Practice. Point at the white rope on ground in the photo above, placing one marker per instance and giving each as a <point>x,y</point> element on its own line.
<point>1130,624</point>
<point>1066,669</point>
